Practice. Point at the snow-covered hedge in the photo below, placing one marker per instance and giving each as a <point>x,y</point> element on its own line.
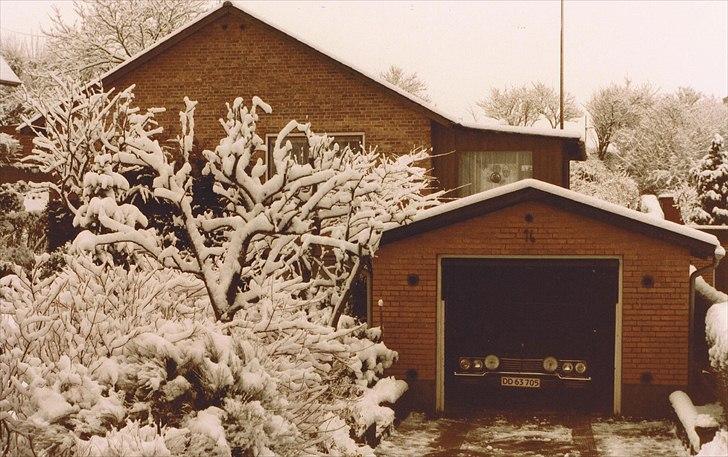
<point>114,361</point>
<point>593,177</point>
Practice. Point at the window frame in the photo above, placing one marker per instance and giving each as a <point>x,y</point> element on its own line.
<point>270,138</point>
<point>461,157</point>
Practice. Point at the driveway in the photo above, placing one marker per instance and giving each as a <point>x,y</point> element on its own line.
<point>531,435</point>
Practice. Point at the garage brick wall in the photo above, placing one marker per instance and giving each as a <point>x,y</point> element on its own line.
<point>654,323</point>
<point>238,56</point>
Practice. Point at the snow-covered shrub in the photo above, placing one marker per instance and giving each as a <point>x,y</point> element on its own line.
<point>593,177</point>
<point>9,149</point>
<point>716,331</point>
<point>718,447</point>
<point>711,176</point>
<point>274,365</point>
<point>105,360</point>
<point>22,232</point>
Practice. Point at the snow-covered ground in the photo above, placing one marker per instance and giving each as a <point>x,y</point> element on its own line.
<point>531,436</point>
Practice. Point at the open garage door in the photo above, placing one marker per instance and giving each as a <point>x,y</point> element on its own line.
<point>531,332</point>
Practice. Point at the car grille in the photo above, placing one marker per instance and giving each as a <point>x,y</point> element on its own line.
<point>521,365</point>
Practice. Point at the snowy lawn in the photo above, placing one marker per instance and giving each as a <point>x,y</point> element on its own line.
<point>528,435</point>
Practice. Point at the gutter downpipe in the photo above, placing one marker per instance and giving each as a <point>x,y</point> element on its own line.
<point>691,330</point>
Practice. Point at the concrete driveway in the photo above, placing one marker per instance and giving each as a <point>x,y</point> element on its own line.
<point>520,434</point>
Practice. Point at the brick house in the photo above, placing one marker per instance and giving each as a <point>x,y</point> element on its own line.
<point>516,214</point>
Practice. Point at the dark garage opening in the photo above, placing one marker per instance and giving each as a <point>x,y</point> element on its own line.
<point>524,310</point>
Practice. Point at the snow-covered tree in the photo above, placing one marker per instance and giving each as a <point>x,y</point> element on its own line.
<point>614,108</point>
<point>594,177</point>
<point>551,107</point>
<point>103,359</point>
<point>526,104</point>
<point>712,185</point>
<point>665,144</point>
<point>409,82</point>
<point>105,33</point>
<point>78,124</point>
<point>27,58</point>
<point>305,231</point>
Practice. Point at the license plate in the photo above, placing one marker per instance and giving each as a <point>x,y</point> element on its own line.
<point>510,381</point>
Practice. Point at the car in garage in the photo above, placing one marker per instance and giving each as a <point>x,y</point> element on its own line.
<point>536,329</point>
<point>525,356</point>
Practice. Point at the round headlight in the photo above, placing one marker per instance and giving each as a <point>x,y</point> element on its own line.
<point>550,364</point>
<point>464,364</point>
<point>580,367</point>
<point>567,367</point>
<point>477,364</point>
<point>492,362</point>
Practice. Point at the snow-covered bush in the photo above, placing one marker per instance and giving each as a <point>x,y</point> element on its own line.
<point>711,176</point>
<point>22,232</point>
<point>105,360</point>
<point>273,365</point>
<point>593,177</point>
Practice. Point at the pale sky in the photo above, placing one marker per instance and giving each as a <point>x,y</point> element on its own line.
<point>461,49</point>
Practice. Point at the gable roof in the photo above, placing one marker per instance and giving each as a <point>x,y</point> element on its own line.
<point>7,75</point>
<point>414,102</point>
<point>701,244</point>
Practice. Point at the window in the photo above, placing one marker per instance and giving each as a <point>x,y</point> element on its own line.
<point>484,170</point>
<point>299,142</point>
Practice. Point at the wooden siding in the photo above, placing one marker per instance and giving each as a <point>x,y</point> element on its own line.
<point>550,159</point>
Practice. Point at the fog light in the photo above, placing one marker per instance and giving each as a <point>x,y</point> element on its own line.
<point>465,364</point>
<point>492,362</point>
<point>567,367</point>
<point>550,364</point>
<point>580,367</point>
<point>477,364</point>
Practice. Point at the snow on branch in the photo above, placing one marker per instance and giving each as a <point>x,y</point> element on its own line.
<point>271,230</point>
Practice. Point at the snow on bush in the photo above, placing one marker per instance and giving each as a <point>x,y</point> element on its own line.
<point>226,336</point>
<point>22,231</point>
<point>594,178</point>
<point>650,204</point>
<point>718,447</point>
<point>716,331</point>
<point>107,360</point>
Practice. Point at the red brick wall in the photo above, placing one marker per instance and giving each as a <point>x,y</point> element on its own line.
<point>654,323</point>
<point>236,56</point>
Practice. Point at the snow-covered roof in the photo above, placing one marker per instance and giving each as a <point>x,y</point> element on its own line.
<point>7,75</point>
<point>579,198</point>
<point>434,111</point>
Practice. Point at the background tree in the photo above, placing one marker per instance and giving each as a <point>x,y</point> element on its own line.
<point>614,108</point>
<point>27,58</point>
<point>551,107</point>
<point>599,179</point>
<point>712,185</point>
<point>409,82</point>
<point>105,33</point>
<point>668,138</point>
<point>525,105</point>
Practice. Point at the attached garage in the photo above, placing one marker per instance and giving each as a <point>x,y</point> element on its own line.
<point>543,279</point>
<point>517,312</point>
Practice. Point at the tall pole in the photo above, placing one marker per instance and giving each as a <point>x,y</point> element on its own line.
<point>561,70</point>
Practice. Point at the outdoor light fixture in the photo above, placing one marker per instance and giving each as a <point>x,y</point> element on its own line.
<point>492,362</point>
